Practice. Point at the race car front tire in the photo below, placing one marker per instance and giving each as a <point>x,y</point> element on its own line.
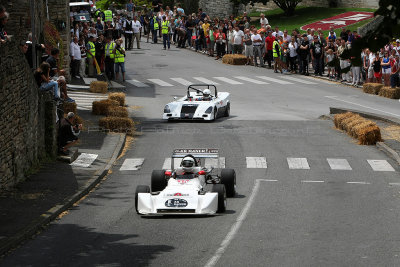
<point>140,189</point>
<point>227,110</point>
<point>158,181</point>
<point>220,189</point>
<point>228,178</point>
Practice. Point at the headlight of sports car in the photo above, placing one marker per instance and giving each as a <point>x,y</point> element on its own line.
<point>209,110</point>
<point>167,109</point>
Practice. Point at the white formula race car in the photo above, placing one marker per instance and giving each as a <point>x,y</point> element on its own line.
<point>199,104</point>
<point>190,188</point>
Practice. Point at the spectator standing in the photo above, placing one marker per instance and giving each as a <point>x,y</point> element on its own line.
<point>277,32</point>
<point>128,33</point>
<point>257,45</point>
<point>75,52</point>
<point>109,58</point>
<point>395,66</point>
<point>269,40</point>
<point>166,29</point>
<point>397,47</point>
<point>91,53</point>
<point>329,59</point>
<point>317,55</point>
<point>119,58</point>
<point>276,51</point>
<point>130,7</point>
<point>343,35</point>
<point>371,76</point>
<point>386,68</point>
<point>286,38</point>
<point>137,27</point>
<point>99,46</point>
<point>211,44</point>
<point>189,29</point>
<point>220,40</point>
<point>263,21</point>
<point>156,27</point>
<point>238,36</point>
<point>304,52</point>
<point>230,38</point>
<point>248,47</point>
<point>82,67</point>
<point>344,63</point>
<point>377,68</point>
<point>99,26</point>
<point>293,55</point>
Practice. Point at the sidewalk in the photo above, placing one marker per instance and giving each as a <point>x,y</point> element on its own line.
<point>56,186</point>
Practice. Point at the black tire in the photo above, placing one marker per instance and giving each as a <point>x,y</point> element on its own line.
<point>227,110</point>
<point>140,189</point>
<point>158,181</point>
<point>228,178</point>
<point>215,114</point>
<point>220,189</point>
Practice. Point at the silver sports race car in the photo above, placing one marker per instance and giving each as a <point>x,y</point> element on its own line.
<point>199,104</point>
<point>190,188</point>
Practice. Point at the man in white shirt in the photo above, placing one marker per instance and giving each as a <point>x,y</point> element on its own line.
<point>397,47</point>
<point>286,38</point>
<point>128,32</point>
<point>136,26</point>
<point>230,39</point>
<point>257,44</point>
<point>238,36</point>
<point>277,32</point>
<point>263,21</point>
<point>75,52</point>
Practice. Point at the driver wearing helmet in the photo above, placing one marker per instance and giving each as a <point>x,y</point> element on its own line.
<point>188,164</point>
<point>207,95</point>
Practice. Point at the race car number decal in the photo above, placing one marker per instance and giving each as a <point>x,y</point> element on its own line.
<point>176,203</point>
<point>183,181</point>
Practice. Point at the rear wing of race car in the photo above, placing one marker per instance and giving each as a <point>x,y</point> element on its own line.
<point>198,153</point>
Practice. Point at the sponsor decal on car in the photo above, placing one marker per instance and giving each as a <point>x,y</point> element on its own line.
<point>176,203</point>
<point>177,195</point>
<point>182,181</point>
<point>195,150</point>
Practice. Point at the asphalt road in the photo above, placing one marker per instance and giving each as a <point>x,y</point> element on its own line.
<point>282,216</point>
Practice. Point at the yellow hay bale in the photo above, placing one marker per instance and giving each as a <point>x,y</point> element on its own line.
<point>101,107</point>
<point>343,124</point>
<point>78,119</point>
<point>372,88</point>
<point>117,124</point>
<point>369,135</point>
<point>120,97</point>
<point>69,107</point>
<point>355,131</point>
<point>115,111</point>
<point>98,87</point>
<point>339,117</point>
<point>356,121</point>
<point>234,59</point>
<point>393,93</point>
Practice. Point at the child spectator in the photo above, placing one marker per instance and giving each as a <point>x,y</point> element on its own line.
<point>329,58</point>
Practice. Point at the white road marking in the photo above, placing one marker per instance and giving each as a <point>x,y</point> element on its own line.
<point>84,160</point>
<point>298,163</point>
<point>396,184</point>
<point>132,164</point>
<point>273,80</point>
<point>256,162</point>
<point>380,165</point>
<point>266,180</point>
<point>349,102</point>
<point>182,81</point>
<point>235,227</point>
<point>205,80</point>
<point>339,164</point>
<point>250,80</point>
<point>137,83</point>
<point>159,82</point>
<point>312,181</point>
<point>320,80</point>
<point>357,183</point>
<point>210,162</point>
<point>167,163</point>
<point>297,80</point>
<point>227,80</point>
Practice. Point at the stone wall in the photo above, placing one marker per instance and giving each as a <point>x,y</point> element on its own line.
<point>220,8</point>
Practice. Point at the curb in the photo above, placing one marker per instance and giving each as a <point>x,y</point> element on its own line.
<point>380,145</point>
<point>53,213</point>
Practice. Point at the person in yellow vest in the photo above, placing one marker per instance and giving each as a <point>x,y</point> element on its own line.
<point>165,29</point>
<point>108,15</point>
<point>119,59</point>
<point>91,53</point>
<point>276,51</point>
<point>156,27</point>
<point>109,57</point>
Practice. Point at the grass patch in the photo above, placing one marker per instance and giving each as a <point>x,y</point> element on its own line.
<point>306,15</point>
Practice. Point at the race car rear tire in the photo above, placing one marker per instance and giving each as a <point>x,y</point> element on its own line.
<point>140,189</point>
<point>220,189</point>
<point>215,114</point>
<point>158,181</point>
<point>227,110</point>
<point>228,178</point>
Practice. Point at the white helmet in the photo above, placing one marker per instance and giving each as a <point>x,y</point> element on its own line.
<point>206,93</point>
<point>187,164</point>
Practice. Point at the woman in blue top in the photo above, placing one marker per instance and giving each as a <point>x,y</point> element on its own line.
<point>386,69</point>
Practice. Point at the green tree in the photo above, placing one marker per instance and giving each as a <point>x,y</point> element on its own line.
<point>288,6</point>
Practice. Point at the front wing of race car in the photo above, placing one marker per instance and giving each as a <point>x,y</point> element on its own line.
<point>177,203</point>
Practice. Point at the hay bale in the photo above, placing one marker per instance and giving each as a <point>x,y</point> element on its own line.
<point>98,87</point>
<point>120,97</point>
<point>234,59</point>
<point>369,135</point>
<point>372,88</point>
<point>356,121</point>
<point>339,117</point>
<point>343,124</point>
<point>69,107</point>
<point>101,107</point>
<point>78,119</point>
<point>355,131</point>
<point>117,124</point>
<point>115,111</point>
<point>393,93</point>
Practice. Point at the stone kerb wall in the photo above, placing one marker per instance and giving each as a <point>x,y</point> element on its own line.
<point>216,8</point>
<point>23,117</point>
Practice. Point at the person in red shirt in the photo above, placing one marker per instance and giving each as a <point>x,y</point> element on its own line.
<point>395,66</point>
<point>269,40</point>
<point>220,40</point>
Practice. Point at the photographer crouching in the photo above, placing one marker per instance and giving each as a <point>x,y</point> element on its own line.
<point>68,133</point>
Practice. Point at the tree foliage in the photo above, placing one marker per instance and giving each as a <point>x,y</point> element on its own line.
<point>288,6</point>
